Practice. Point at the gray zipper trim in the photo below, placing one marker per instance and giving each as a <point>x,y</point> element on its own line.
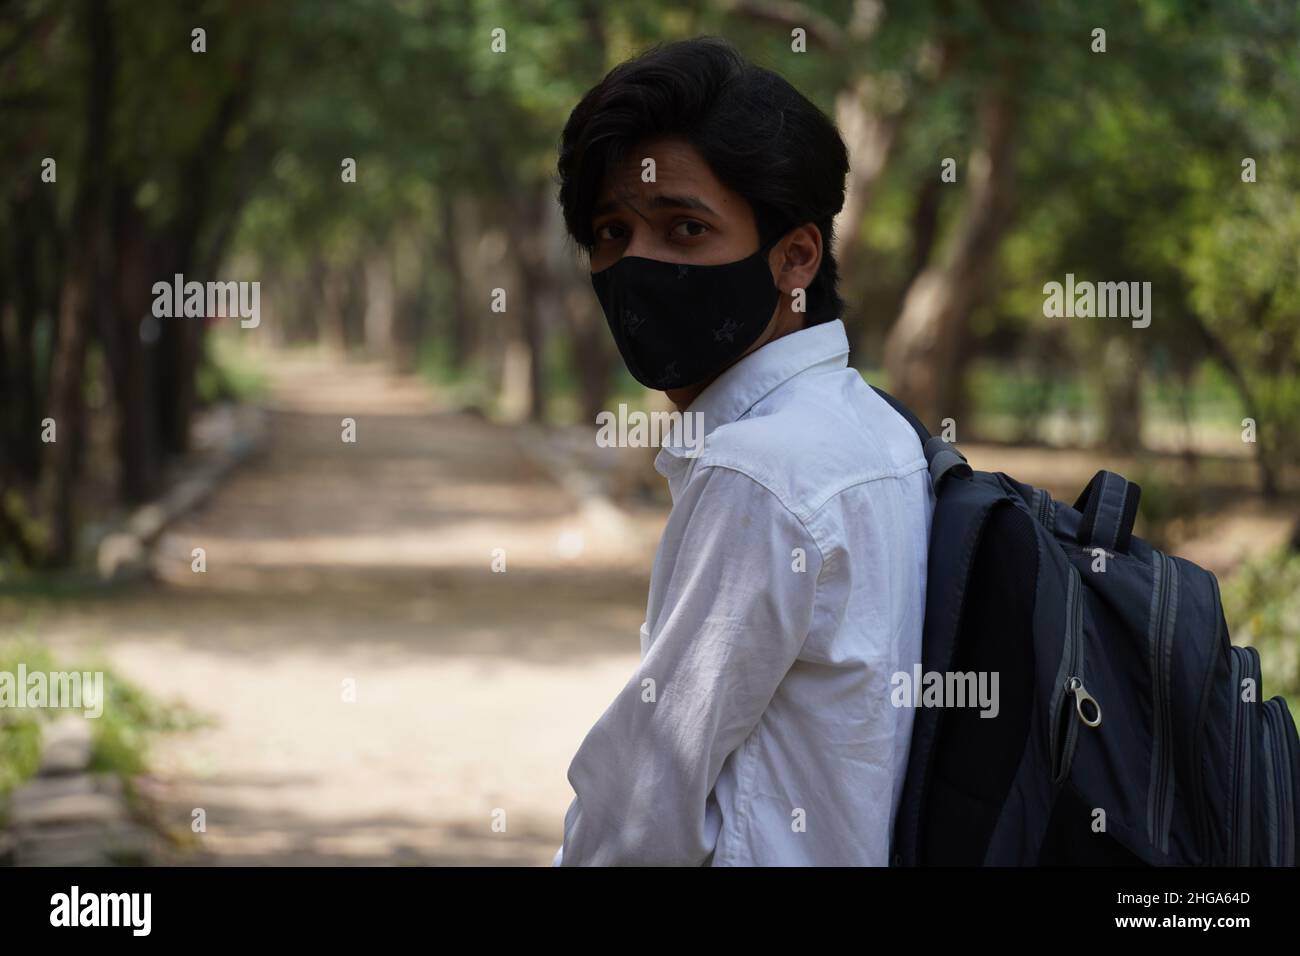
<point>1270,791</point>
<point>1071,665</point>
<point>1278,796</point>
<point>1041,504</point>
<point>1244,737</point>
<point>1160,632</point>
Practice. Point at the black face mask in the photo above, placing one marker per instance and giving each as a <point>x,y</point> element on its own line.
<point>676,324</point>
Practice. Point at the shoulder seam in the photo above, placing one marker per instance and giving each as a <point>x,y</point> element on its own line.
<point>903,472</point>
<point>777,497</point>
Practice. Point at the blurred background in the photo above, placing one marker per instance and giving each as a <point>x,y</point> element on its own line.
<point>381,642</point>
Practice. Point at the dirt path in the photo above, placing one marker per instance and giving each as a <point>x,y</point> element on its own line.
<point>370,563</point>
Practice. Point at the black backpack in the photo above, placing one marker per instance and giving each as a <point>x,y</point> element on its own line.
<point>1129,730</point>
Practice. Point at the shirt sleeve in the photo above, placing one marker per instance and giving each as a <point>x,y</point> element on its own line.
<point>739,589</point>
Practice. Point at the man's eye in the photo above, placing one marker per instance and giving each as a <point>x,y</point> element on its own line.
<point>689,228</point>
<point>609,231</point>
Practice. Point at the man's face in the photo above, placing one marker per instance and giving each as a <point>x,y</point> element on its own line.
<point>685,215</point>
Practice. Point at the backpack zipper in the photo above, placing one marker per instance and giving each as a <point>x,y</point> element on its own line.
<point>1044,508</point>
<point>1268,801</point>
<point>1160,803</point>
<point>1204,825</point>
<point>1241,768</point>
<point>1085,707</point>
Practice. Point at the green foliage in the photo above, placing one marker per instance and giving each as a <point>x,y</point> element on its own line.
<point>1245,273</point>
<point>130,720</point>
<point>466,388</point>
<point>1127,167</point>
<point>120,735</point>
<point>1015,401</point>
<point>1168,502</point>
<point>229,373</point>
<point>1261,602</point>
<point>20,730</point>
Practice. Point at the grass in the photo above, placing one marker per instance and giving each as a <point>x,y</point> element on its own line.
<point>130,720</point>
<point>20,730</point>
<point>121,735</point>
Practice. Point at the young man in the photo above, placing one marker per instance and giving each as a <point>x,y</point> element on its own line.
<point>790,581</point>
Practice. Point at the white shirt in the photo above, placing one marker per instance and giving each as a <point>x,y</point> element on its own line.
<point>789,586</point>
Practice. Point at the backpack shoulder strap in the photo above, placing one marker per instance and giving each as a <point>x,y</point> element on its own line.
<point>922,432</point>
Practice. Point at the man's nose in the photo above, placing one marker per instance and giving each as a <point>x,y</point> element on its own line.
<point>640,245</point>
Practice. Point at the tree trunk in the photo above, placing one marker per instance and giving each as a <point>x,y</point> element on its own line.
<point>87,294</point>
<point>131,363</point>
<point>869,125</point>
<point>922,354</point>
<point>1269,467</point>
<point>331,286</point>
<point>924,229</point>
<point>537,302</point>
<point>1121,402</point>
<point>870,138</point>
<point>589,338</point>
<point>379,321</point>
<point>23,441</point>
<point>460,329</point>
<point>67,408</point>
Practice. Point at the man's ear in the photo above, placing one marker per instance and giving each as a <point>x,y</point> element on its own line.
<point>796,258</point>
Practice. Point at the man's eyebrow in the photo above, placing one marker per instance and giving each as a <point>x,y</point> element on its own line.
<point>660,201</point>
<point>663,201</point>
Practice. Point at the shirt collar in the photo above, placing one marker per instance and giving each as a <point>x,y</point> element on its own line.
<point>738,389</point>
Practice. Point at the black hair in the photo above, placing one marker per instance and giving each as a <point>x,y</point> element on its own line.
<point>761,137</point>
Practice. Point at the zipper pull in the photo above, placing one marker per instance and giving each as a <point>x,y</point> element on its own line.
<point>1081,696</point>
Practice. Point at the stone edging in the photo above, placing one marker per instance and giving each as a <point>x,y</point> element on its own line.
<point>121,550</point>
